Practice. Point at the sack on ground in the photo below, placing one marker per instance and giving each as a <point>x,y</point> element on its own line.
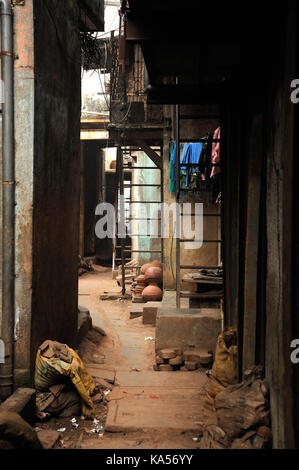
<point>56,363</point>
<point>244,406</point>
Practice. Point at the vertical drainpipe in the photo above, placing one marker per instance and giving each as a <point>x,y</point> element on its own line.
<point>8,185</point>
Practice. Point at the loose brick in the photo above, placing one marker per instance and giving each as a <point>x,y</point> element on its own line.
<point>167,353</point>
<point>165,367</point>
<point>160,360</point>
<point>206,358</point>
<point>150,310</point>
<point>193,354</point>
<point>156,367</point>
<point>176,361</point>
<point>192,365</point>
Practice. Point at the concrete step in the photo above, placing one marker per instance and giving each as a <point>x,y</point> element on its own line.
<point>172,380</point>
<point>149,400</point>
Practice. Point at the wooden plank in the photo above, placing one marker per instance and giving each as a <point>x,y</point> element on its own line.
<point>197,295</point>
<point>252,242</point>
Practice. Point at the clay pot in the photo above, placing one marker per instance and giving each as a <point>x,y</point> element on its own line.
<point>153,274</point>
<point>152,293</point>
<point>144,267</point>
<point>157,263</point>
<point>139,289</point>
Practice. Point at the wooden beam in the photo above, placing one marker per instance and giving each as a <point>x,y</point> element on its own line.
<point>252,242</point>
<point>150,153</point>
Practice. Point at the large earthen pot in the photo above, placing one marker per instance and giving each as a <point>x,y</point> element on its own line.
<point>144,267</point>
<point>139,289</point>
<point>157,263</point>
<point>153,274</point>
<point>152,293</point>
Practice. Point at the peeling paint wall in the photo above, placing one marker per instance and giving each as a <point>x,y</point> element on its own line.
<point>24,155</point>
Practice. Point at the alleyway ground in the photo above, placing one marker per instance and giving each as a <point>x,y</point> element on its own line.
<point>146,409</point>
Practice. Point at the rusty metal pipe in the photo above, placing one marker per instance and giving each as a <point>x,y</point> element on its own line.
<point>8,192</point>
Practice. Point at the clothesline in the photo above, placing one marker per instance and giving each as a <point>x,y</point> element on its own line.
<point>201,157</point>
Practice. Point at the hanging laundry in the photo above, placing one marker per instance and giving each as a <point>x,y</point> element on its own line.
<point>171,167</point>
<point>205,157</point>
<point>173,163</point>
<point>192,155</point>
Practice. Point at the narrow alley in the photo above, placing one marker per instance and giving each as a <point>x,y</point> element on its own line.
<point>145,409</point>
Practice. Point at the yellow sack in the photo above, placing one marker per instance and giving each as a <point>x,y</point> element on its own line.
<point>56,361</point>
<point>225,366</point>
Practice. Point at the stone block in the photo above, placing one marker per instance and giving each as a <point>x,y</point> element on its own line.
<point>48,438</point>
<point>136,311</point>
<point>150,313</point>
<point>169,300</point>
<point>167,353</point>
<point>159,360</point>
<point>206,359</point>
<point>176,361</point>
<point>165,367</point>
<point>187,329</point>
<point>192,365</point>
<point>22,401</point>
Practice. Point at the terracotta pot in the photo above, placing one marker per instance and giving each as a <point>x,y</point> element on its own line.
<point>152,292</point>
<point>157,263</point>
<point>139,289</point>
<point>153,274</point>
<point>144,267</point>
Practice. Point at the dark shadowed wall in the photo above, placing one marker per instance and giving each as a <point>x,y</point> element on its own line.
<point>56,172</point>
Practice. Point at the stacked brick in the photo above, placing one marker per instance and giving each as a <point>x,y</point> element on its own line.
<point>176,359</point>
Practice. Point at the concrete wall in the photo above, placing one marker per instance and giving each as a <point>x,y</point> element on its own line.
<point>47,133</point>
<point>47,165</point>
<point>24,155</point>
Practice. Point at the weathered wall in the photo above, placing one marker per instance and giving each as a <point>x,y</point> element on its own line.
<point>24,142</point>
<point>208,254</point>
<point>56,172</point>
<point>145,210</point>
<point>91,164</point>
<point>280,197</point>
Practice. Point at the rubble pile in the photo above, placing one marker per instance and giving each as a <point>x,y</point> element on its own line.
<point>236,415</point>
<point>84,265</point>
<point>242,418</point>
<point>176,359</point>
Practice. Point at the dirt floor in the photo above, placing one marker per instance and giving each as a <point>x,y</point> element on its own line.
<point>118,345</point>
